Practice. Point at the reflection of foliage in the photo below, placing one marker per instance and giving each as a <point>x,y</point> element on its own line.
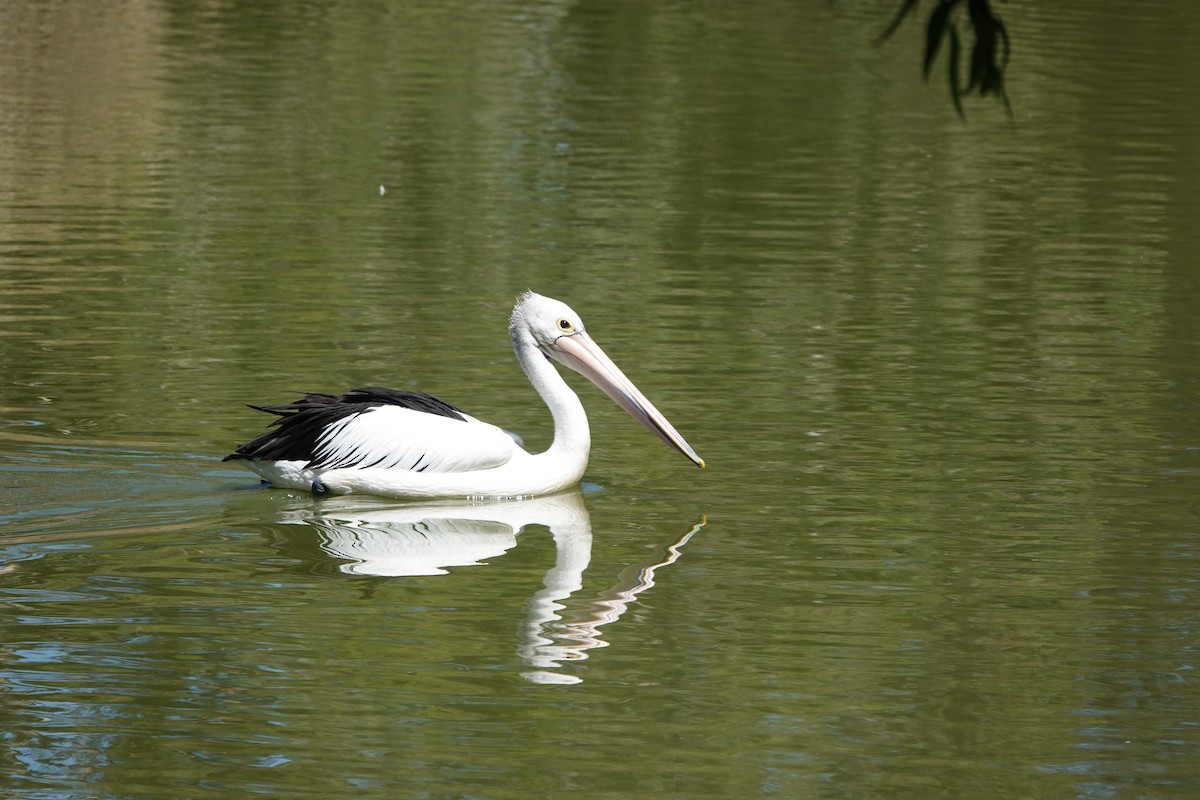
<point>989,56</point>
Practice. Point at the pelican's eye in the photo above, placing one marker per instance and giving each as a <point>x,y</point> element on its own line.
<point>565,325</point>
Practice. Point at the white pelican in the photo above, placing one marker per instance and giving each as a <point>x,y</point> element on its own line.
<point>407,444</point>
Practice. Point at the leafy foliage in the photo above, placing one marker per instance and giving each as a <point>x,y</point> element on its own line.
<point>989,54</point>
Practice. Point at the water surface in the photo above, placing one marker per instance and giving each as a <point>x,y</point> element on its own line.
<point>945,376</point>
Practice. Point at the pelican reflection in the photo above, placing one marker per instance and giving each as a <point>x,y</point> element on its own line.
<point>427,538</point>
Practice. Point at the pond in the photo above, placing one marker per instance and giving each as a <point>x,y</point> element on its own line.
<point>945,375</point>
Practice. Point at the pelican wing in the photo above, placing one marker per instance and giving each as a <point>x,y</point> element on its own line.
<point>392,437</point>
<point>380,428</point>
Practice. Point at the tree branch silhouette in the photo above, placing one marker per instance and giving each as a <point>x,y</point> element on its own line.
<point>989,53</point>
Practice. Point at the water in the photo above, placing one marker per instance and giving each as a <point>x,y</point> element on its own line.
<point>944,376</point>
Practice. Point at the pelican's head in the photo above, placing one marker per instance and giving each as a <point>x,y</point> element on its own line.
<point>554,328</point>
<point>542,320</point>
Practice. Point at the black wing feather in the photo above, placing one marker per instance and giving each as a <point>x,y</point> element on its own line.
<point>293,436</point>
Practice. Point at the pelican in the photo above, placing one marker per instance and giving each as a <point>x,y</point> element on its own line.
<point>411,445</point>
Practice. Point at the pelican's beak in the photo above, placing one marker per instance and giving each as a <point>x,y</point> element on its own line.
<point>580,353</point>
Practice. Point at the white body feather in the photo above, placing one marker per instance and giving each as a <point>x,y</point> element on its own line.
<point>393,437</point>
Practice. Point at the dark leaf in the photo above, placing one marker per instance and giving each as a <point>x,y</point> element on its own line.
<point>1003,32</point>
<point>980,62</point>
<point>955,86</point>
<point>909,6</point>
<point>939,22</point>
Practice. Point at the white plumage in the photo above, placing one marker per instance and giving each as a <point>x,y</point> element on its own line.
<point>393,437</point>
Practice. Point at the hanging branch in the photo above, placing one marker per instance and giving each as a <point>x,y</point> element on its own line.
<point>989,54</point>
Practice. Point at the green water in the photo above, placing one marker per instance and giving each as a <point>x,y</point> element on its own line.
<point>946,377</point>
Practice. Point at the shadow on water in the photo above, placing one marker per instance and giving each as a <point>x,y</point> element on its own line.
<point>368,539</point>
